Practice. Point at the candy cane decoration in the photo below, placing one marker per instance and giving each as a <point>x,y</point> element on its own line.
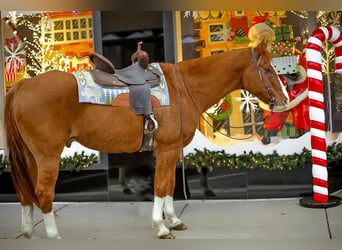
<point>316,109</point>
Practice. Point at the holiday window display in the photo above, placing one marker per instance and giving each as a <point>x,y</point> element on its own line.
<point>43,41</point>
<point>226,32</point>
<point>297,91</point>
<point>285,65</point>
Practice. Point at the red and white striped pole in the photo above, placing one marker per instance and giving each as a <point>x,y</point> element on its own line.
<point>321,196</point>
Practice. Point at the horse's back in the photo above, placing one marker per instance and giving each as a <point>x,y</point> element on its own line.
<point>49,85</point>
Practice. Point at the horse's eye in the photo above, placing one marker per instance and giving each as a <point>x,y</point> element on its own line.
<point>268,70</point>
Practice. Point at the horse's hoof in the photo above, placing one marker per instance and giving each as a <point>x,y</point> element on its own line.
<point>168,236</point>
<point>180,227</point>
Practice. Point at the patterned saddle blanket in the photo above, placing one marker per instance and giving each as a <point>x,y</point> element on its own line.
<point>90,92</point>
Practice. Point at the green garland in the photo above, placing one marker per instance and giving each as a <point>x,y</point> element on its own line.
<point>71,163</point>
<point>211,159</point>
<point>3,163</point>
<point>77,161</point>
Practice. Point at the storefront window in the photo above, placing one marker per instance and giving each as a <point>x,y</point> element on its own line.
<point>36,42</point>
<point>205,33</point>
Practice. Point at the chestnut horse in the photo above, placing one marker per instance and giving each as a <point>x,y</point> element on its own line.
<point>43,113</point>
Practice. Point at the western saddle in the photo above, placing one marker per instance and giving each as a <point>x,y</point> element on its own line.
<point>139,77</point>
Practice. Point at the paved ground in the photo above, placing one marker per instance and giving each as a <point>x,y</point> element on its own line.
<point>214,219</point>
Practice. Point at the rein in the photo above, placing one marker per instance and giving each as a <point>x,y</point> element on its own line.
<point>181,133</point>
<point>201,114</point>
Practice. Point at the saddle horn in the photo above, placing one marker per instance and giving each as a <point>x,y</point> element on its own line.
<point>140,56</point>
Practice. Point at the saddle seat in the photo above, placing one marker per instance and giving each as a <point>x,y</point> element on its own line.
<point>106,75</point>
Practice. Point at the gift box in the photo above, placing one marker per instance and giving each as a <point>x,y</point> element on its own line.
<point>283,32</point>
<point>285,64</point>
<point>283,48</point>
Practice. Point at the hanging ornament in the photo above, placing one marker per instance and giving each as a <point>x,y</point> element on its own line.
<point>225,105</point>
<point>222,110</point>
<point>248,101</point>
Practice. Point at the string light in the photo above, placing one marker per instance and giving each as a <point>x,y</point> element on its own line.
<point>40,50</point>
<point>301,14</point>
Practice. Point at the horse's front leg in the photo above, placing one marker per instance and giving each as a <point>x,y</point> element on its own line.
<point>164,185</point>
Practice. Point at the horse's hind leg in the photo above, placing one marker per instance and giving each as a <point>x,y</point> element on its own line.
<point>27,220</point>
<point>27,203</point>
<point>45,191</point>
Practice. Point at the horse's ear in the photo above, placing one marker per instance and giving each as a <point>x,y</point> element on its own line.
<point>264,48</point>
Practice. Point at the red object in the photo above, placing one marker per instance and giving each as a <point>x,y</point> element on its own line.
<point>235,23</point>
<point>276,120</point>
<point>260,19</point>
<point>225,105</point>
<point>318,142</point>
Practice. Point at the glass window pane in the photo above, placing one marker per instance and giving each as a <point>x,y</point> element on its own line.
<point>58,25</point>
<point>68,24</point>
<point>83,34</point>
<point>59,36</point>
<point>83,23</point>
<point>75,24</point>
<point>76,35</point>
<point>68,36</point>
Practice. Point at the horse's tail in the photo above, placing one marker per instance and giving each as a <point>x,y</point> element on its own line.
<point>17,153</point>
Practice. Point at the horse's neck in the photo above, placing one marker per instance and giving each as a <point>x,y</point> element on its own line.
<point>210,79</point>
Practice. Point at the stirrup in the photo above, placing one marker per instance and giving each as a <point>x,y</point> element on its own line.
<point>151,125</point>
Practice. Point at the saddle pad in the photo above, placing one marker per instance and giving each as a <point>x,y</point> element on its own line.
<point>90,92</point>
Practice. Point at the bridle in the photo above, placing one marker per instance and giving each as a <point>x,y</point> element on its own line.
<point>266,84</point>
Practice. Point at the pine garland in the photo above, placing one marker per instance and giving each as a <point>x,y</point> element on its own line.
<point>274,161</point>
<point>77,161</point>
<point>3,163</point>
<point>211,159</point>
<point>71,163</point>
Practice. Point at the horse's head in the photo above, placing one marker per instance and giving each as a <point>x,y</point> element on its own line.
<point>261,80</point>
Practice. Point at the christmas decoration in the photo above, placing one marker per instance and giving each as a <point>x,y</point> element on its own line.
<point>40,53</point>
<point>283,48</point>
<point>248,101</point>
<point>316,110</point>
<point>14,53</point>
<point>77,161</point>
<point>3,163</point>
<point>260,29</point>
<point>283,33</point>
<point>285,64</point>
<point>204,15</point>
<point>222,110</point>
<point>71,163</point>
<point>238,28</point>
<point>212,159</point>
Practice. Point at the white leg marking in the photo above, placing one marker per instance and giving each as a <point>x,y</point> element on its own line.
<point>27,221</point>
<point>157,216</point>
<point>50,225</point>
<point>170,213</point>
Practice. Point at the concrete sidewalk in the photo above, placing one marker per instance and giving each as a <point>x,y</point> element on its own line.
<point>214,219</point>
